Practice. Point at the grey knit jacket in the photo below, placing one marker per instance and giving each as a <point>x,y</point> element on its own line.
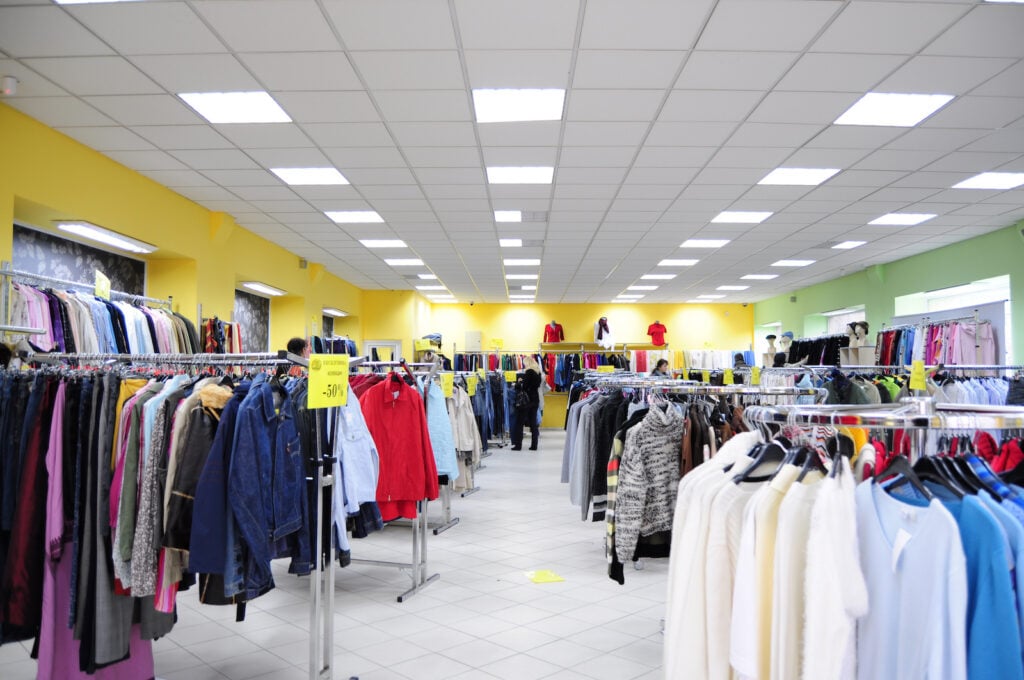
<point>648,479</point>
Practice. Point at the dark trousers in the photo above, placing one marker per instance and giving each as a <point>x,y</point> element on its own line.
<point>524,417</point>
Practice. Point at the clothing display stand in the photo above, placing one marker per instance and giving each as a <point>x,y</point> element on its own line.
<point>417,569</point>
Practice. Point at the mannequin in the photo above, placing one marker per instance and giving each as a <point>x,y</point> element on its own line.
<point>657,333</point>
<point>851,333</point>
<point>553,332</point>
<point>785,342</point>
<point>771,344</point>
<point>861,331</point>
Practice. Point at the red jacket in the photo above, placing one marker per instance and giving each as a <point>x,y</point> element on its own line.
<point>398,424</point>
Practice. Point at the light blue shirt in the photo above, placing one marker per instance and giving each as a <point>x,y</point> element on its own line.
<point>440,428</point>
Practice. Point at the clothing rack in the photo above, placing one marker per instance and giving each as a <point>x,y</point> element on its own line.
<point>679,387</point>
<point>7,272</point>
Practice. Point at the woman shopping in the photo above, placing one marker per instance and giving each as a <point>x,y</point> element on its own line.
<point>527,401</point>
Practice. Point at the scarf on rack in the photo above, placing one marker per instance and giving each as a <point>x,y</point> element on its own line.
<point>602,327</point>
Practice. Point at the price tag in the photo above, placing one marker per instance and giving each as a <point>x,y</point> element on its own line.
<point>917,376</point>
<point>482,372</point>
<point>328,380</point>
<point>102,286</point>
<point>606,369</point>
<point>727,377</point>
<point>497,343</point>
<point>448,384</point>
<point>471,381</point>
<point>755,375</point>
<point>510,376</point>
<point>705,376</point>
<point>421,345</point>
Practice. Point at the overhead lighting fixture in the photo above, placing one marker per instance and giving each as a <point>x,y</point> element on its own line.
<point>677,263</point>
<point>97,233</point>
<point>703,243</point>
<point>902,219</point>
<point>520,175</point>
<point>741,217</point>
<point>521,277</point>
<point>710,297</point>
<point>236,107</point>
<point>792,263</point>
<point>508,215</point>
<point>428,277</point>
<point>514,106</point>
<point>354,216</point>
<point>1007,1</point>
<point>383,243</point>
<point>848,245</point>
<point>257,287</point>
<point>993,180</point>
<point>658,277</point>
<point>521,302</point>
<point>521,297</point>
<point>759,277</point>
<point>529,287</point>
<point>732,287</point>
<point>837,312</point>
<point>431,288</point>
<point>90,2</point>
<point>510,242</point>
<point>892,109</point>
<point>809,177</point>
<point>405,262</point>
<point>623,302</point>
<point>641,288</point>
<point>309,176</point>
<point>527,262</point>
<point>333,311</point>
<point>623,296</point>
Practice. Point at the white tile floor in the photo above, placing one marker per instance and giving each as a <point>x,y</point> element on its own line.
<point>483,619</point>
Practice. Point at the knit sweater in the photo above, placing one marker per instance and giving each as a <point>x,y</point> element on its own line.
<point>648,479</point>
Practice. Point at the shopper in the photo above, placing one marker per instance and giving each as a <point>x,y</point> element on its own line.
<point>528,385</point>
<point>662,370</point>
<point>299,347</point>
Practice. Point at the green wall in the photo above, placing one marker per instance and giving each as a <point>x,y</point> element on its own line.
<point>994,254</point>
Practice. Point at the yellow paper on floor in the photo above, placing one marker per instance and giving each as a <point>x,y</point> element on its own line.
<point>544,576</point>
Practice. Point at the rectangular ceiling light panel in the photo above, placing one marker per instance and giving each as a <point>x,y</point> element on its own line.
<point>703,243</point>
<point>732,288</point>
<point>521,277</point>
<point>97,233</point>
<point>236,107</point>
<point>404,262</point>
<point>741,217</point>
<point>641,288</point>
<point>515,106</point>
<point>508,215</point>
<point>383,243</point>
<point>355,216</point>
<point>792,263</point>
<point>992,180</point>
<point>677,263</point>
<point>902,219</point>
<point>309,176</point>
<point>848,245</point>
<point>658,277</point>
<point>520,175</point>
<point>809,177</point>
<point>759,277</point>
<point>893,109</point>
<point>510,242</point>
<point>258,287</point>
<point>525,262</point>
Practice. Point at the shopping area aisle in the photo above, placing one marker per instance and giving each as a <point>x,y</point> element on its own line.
<point>483,619</point>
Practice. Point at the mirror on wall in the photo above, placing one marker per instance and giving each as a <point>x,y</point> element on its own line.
<point>386,350</point>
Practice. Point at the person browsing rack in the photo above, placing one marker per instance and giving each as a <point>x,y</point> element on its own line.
<point>527,402</point>
<point>662,370</point>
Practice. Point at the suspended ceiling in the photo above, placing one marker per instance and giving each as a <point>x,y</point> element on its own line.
<point>674,111</point>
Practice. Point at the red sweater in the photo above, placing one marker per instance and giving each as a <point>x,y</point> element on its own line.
<point>398,424</point>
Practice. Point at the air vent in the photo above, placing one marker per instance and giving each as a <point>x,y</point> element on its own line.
<point>533,243</point>
<point>535,216</point>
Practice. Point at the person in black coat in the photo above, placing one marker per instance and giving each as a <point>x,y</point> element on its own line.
<point>528,382</point>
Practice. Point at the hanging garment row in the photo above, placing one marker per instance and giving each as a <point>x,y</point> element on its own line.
<point>960,341</point>
<point>221,337</point>
<point>785,565</point>
<point>338,344</point>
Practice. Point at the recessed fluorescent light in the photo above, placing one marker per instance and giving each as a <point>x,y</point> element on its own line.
<point>309,176</point>
<point>521,277</point>
<point>677,263</point>
<point>527,262</point>
<point>405,262</point>
<point>354,216</point>
<point>529,287</point>
<point>847,245</point>
<point>993,180</point>
<point>703,243</point>
<point>333,311</point>
<point>892,109</point>
<point>623,296</point>
<point>837,312</point>
<point>741,217</point>
<point>809,177</point>
<point>759,277</point>
<point>87,2</point>
<point>1006,1</point>
<point>258,287</point>
<point>236,107</point>
<point>513,106</point>
<point>428,277</point>
<point>902,219</point>
<point>521,297</point>
<point>792,263</point>
<point>383,243</point>
<point>94,232</point>
<point>508,215</point>
<point>710,297</point>
<point>641,288</point>
<point>658,277</point>
<point>623,302</point>
<point>510,242</point>
<point>520,175</point>
<point>431,288</point>
<point>521,302</point>
<point>732,288</point>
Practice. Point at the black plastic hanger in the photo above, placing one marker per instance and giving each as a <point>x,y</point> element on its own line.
<point>900,465</point>
<point>772,452</point>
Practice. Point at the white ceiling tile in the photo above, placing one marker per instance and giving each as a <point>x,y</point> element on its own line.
<point>642,24</point>
<point>564,205</point>
<point>590,175</point>
<point>393,24</point>
<point>511,191</point>
<point>373,191</point>
<point>854,137</point>
<point>526,156</point>
<point>802,107</point>
<point>894,27</point>
<point>707,70</point>
<point>938,139</point>
<point>756,157</point>
<point>242,178</point>
<point>709,105</point>
<point>94,75</point>
<point>197,72</point>
<point>317,193</point>
<point>178,178</point>
<point>288,157</point>
<point>145,109</point>
<point>527,24</point>
<point>348,134</point>
<point>410,70</point>
<point>434,134</point>
<point>519,134</point>
<point>1008,139</point>
<point>220,159</point>
<point>585,191</point>
<point>866,178</point>
<point>435,105</point>
<point>970,161</point>
<point>897,159</point>
<point>624,70</point>
<point>59,111</point>
<point>947,75</point>
<point>269,25</point>
<point>597,156</point>
<point>450,175</point>
<point>365,157</point>
<point>45,32</point>
<point>207,194</point>
<point>977,112</point>
<point>987,31</point>
<point>613,105</point>
<point>773,134</point>
<point>107,138</point>
<point>674,157</point>
<point>147,160</point>
<point>360,176</point>
<point>765,24</point>
<point>327,107</point>
<point>932,180</point>
<point>689,134</point>
<point>839,72</point>
<point>303,71</point>
<point>183,136</point>
<point>265,135</point>
<point>824,158</point>
<point>148,27</point>
<point>676,177</point>
<point>603,134</point>
<point>443,157</point>
<point>518,68</point>
<point>1009,83</point>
